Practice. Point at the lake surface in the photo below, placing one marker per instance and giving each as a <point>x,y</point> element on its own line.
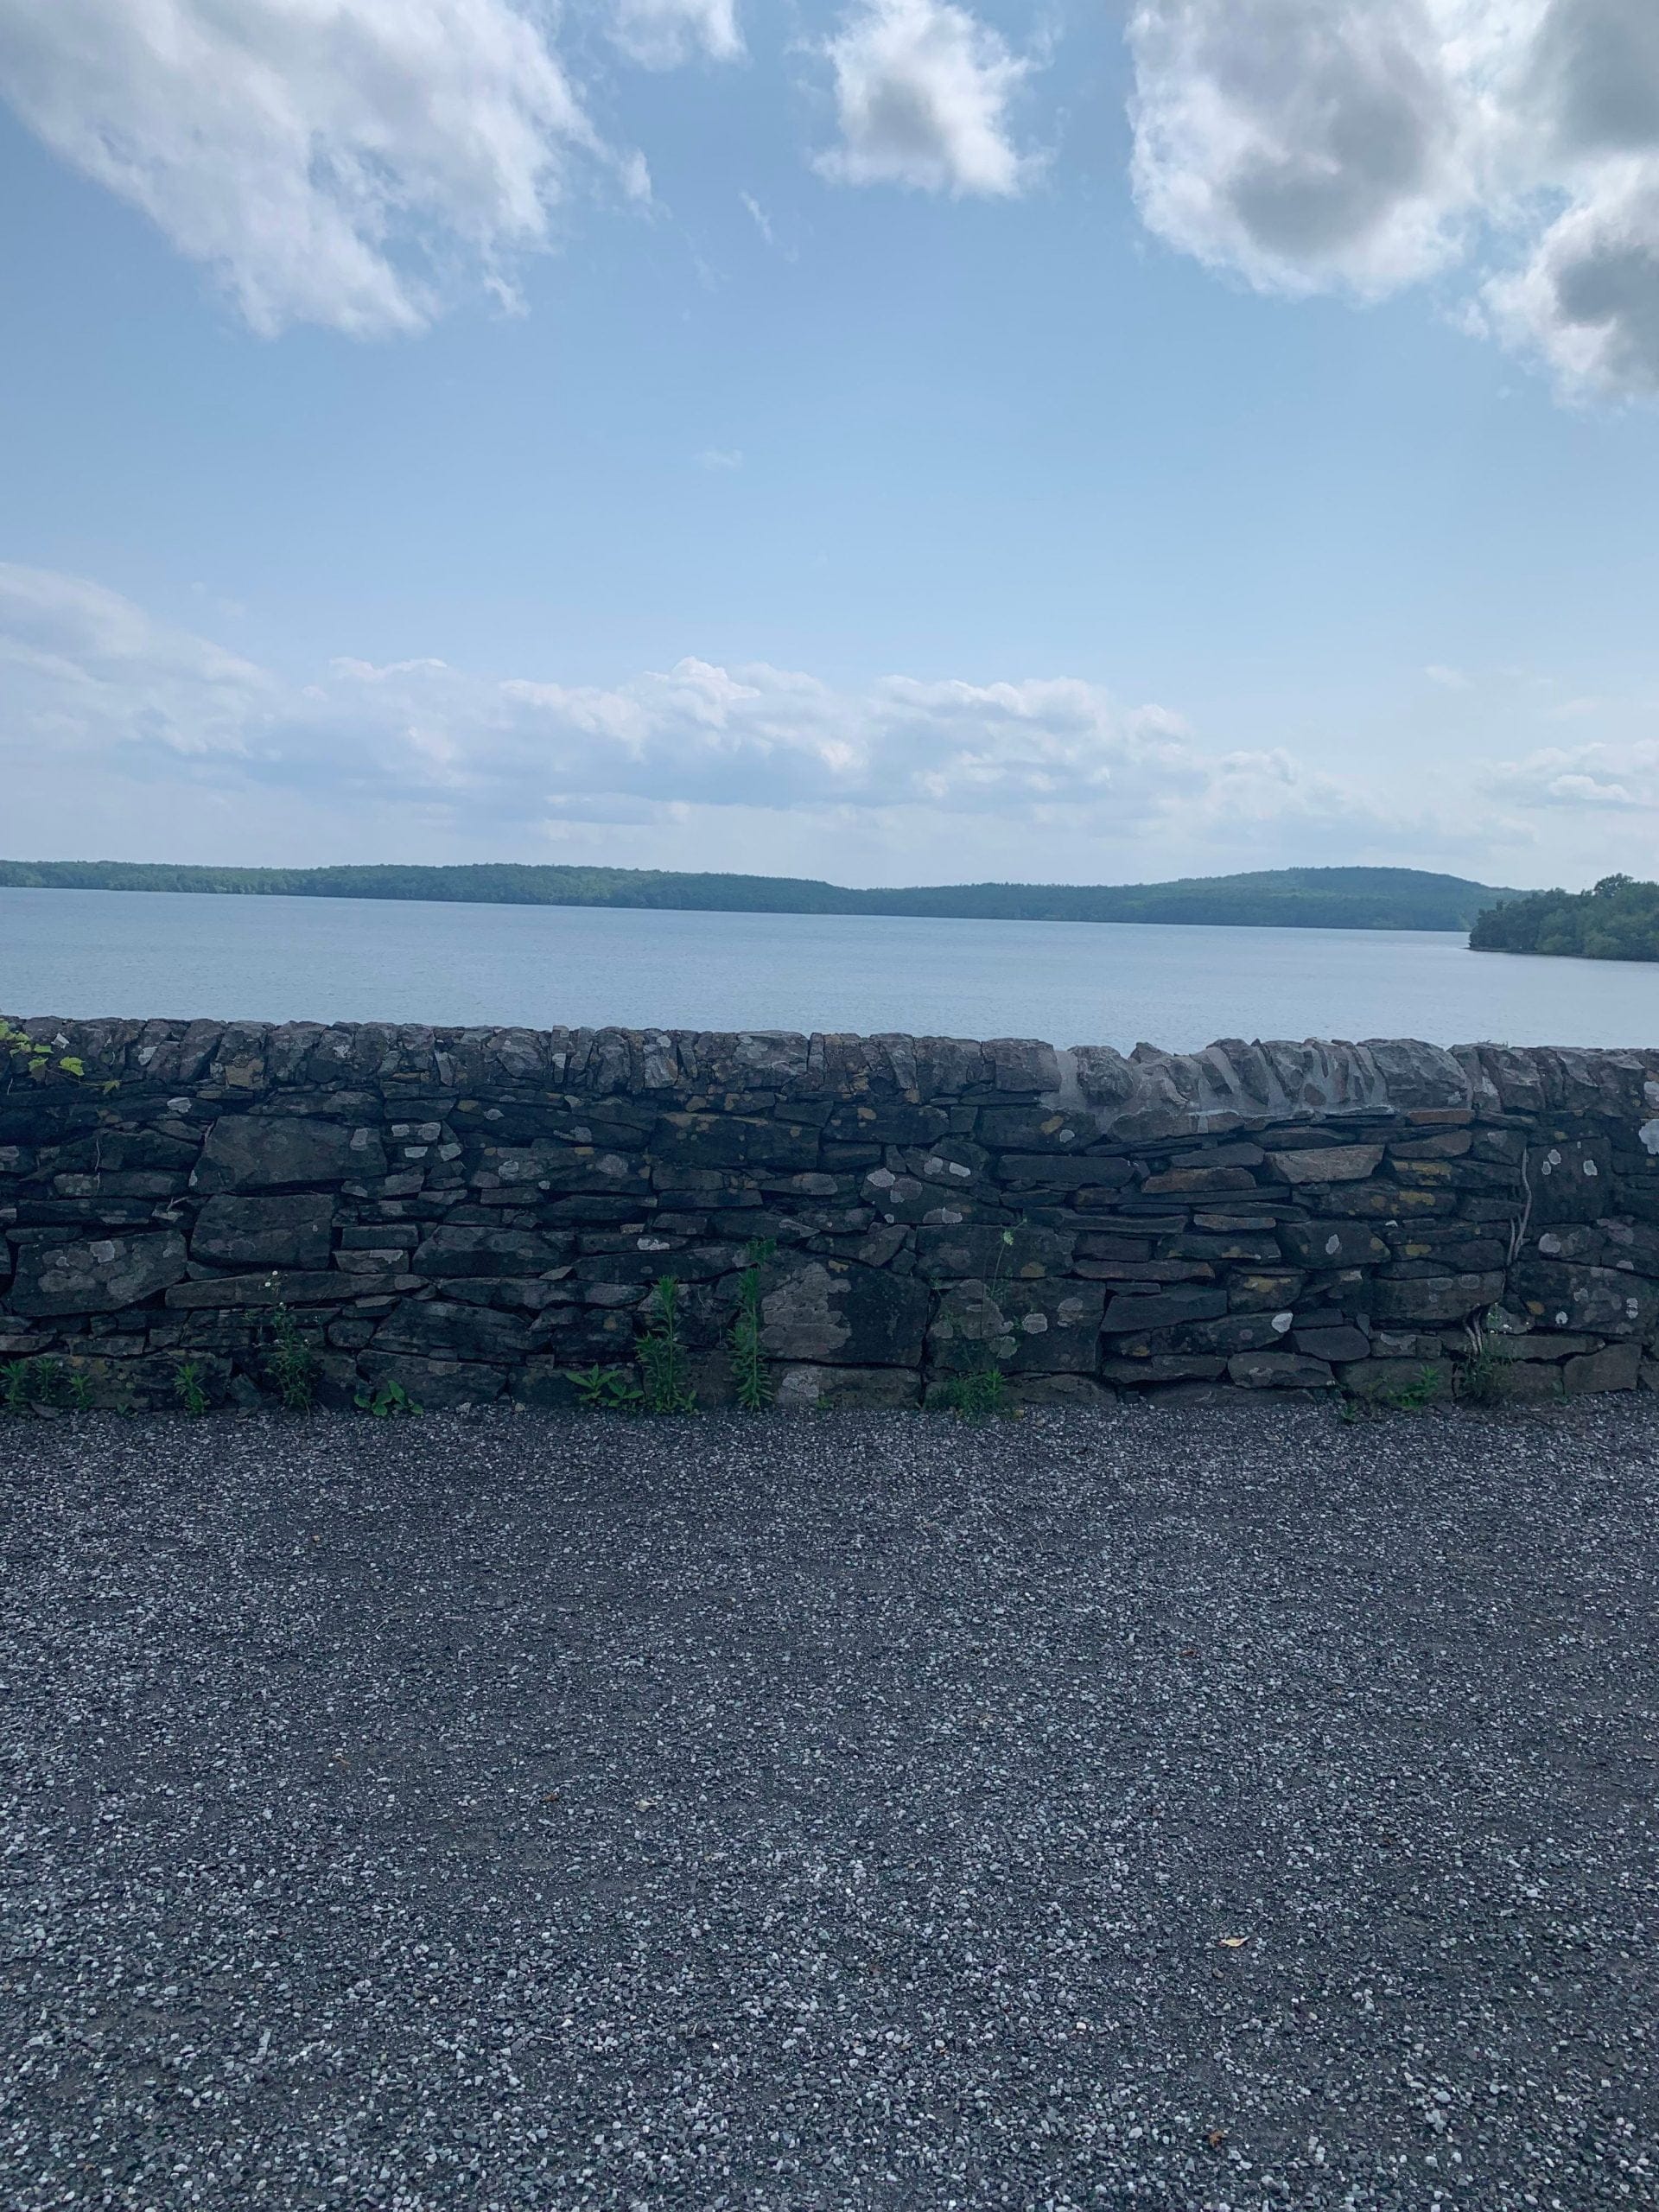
<point>84,953</point>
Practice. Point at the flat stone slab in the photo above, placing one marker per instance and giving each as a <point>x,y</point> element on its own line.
<point>1175,1807</point>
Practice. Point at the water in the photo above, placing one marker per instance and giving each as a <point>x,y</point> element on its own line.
<point>84,953</point>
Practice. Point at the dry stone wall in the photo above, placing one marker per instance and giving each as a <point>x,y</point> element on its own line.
<point>473,1214</point>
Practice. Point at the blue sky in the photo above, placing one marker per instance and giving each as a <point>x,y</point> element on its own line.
<point>889,441</point>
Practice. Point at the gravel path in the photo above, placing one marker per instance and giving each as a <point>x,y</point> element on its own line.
<point>1170,1808</point>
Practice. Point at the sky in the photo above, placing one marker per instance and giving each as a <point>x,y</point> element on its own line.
<point>890,440</point>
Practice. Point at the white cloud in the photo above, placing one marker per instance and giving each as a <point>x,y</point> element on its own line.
<point>84,672</point>
<point>758,216</point>
<point>1588,298</point>
<point>1366,145</point>
<point>1304,143</point>
<point>1623,778</point>
<point>93,693</point>
<point>922,94</point>
<point>333,161</point>
<point>1449,679</point>
<point>662,34</point>
<point>716,458</point>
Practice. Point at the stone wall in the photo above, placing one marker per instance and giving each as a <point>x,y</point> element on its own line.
<point>475,1213</point>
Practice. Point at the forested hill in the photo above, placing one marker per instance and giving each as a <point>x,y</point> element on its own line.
<point>1296,898</point>
<point>1619,920</point>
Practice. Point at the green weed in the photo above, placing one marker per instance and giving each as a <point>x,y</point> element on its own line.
<point>665,1383</point>
<point>980,1395</point>
<point>980,1392</point>
<point>29,1057</point>
<point>1485,1376</point>
<point>755,1388</point>
<point>387,1401</point>
<point>292,1361</point>
<point>189,1389</point>
<point>39,1381</point>
<point>606,1390</point>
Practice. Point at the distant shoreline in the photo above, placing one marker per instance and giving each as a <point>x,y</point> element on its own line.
<point>1356,898</point>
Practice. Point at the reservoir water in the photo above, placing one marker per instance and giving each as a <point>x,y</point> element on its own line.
<point>84,953</point>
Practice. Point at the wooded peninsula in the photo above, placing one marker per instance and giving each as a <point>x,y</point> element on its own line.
<point>1617,920</point>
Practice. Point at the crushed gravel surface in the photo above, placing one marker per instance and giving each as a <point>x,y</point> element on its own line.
<point>1169,1806</point>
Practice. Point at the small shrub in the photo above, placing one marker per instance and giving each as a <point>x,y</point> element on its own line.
<point>665,1384</point>
<point>386,1401</point>
<point>189,1389</point>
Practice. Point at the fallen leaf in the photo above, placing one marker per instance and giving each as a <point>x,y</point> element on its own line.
<point>1233,1942</point>
<point>1215,2137</point>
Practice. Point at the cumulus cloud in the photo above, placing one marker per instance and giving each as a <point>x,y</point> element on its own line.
<point>922,94</point>
<point>1366,145</point>
<point>332,162</point>
<point>663,33</point>
<point>1304,143</point>
<point>1623,778</point>
<point>92,690</point>
<point>1588,298</point>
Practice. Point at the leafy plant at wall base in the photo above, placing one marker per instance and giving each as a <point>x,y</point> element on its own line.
<point>188,1388</point>
<point>1485,1376</point>
<point>386,1401</point>
<point>980,1395</point>
<point>1414,1397</point>
<point>665,1383</point>
<point>292,1361</point>
<point>982,1392</point>
<point>40,1383</point>
<point>755,1388</point>
<point>80,1389</point>
<point>606,1390</point>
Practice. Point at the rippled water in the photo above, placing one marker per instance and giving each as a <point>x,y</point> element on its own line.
<point>82,953</point>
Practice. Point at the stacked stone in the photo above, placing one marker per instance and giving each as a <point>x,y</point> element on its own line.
<point>475,1214</point>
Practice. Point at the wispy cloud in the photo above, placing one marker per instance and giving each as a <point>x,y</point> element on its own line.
<point>717,458</point>
<point>663,33</point>
<point>758,216</point>
<point>333,164</point>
